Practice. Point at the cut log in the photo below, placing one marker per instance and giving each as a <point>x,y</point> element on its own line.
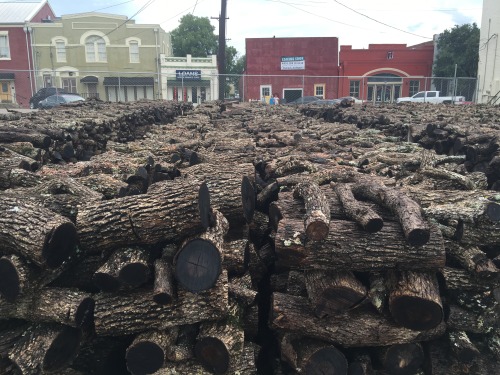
<point>181,209</point>
<point>147,353</point>
<point>361,365</point>
<point>356,328</point>
<point>461,280</point>
<point>163,291</point>
<point>461,319</point>
<point>45,238</point>
<point>402,359</point>
<point>415,229</point>
<point>461,347</point>
<point>219,346</point>
<point>377,294</point>
<point>45,348</point>
<point>311,356</point>
<point>414,300</point>
<point>240,289</point>
<point>136,311</point>
<point>236,256</point>
<point>317,218</point>
<point>333,292</point>
<point>472,259</point>
<point>362,214</point>
<point>348,247</point>
<point>198,263</point>
<point>15,276</point>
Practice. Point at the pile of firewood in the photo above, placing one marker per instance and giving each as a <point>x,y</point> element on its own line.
<point>158,238</point>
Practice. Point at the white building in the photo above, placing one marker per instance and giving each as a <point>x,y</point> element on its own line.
<point>190,79</point>
<point>489,54</point>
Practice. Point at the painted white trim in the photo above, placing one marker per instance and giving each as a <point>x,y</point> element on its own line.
<point>85,35</point>
<point>371,72</point>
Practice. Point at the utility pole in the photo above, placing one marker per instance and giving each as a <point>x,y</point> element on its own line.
<point>221,55</point>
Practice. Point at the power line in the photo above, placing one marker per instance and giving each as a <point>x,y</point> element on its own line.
<point>382,23</point>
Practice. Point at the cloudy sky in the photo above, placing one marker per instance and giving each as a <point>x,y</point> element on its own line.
<point>357,23</point>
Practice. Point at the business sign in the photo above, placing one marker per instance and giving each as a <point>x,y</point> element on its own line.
<point>188,75</point>
<point>293,63</point>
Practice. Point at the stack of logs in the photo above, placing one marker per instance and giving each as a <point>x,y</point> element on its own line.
<point>254,240</point>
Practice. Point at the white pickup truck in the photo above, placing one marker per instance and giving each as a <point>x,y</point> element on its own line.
<point>432,97</point>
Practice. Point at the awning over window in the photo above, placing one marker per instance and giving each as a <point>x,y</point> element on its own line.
<point>89,79</point>
<point>188,83</point>
<point>128,81</point>
<point>5,76</point>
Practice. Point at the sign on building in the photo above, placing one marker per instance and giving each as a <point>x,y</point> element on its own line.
<point>188,75</point>
<point>293,63</point>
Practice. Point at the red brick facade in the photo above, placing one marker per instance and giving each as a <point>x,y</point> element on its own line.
<point>295,66</point>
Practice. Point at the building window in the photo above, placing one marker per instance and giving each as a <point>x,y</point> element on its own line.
<point>414,87</point>
<point>133,48</point>
<point>95,49</point>
<point>354,88</point>
<point>69,84</point>
<point>4,46</point>
<point>390,55</point>
<point>319,90</point>
<point>60,50</point>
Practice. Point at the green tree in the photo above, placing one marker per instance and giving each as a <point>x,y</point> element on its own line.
<point>459,46</point>
<point>194,36</point>
<point>235,65</point>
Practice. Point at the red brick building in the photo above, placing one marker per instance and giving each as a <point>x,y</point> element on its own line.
<point>291,68</point>
<point>384,72</point>
<point>17,83</point>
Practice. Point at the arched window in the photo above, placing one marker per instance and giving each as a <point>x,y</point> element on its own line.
<point>133,48</point>
<point>95,49</point>
<point>60,50</point>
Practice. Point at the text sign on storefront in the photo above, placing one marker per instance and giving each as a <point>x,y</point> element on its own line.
<point>293,63</point>
<point>188,75</point>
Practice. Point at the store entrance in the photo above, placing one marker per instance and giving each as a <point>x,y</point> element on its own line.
<point>384,88</point>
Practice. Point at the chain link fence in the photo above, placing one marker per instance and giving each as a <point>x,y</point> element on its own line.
<point>20,87</point>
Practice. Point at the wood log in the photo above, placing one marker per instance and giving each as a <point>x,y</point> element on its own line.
<point>355,210</point>
<point>472,259</point>
<point>462,319</point>
<point>135,311</point>
<point>36,233</point>
<point>333,292</point>
<point>415,229</point>
<point>52,305</point>
<point>360,365</point>
<point>347,247</point>
<point>15,277</point>
<point>414,300</point>
<point>163,290</point>
<point>378,293</point>
<point>356,328</point>
<point>311,356</point>
<point>198,262</point>
<point>402,358</point>
<point>317,218</point>
<point>461,347</point>
<point>460,280</point>
<point>236,256</point>
<point>219,346</point>
<point>240,289</point>
<point>180,210</point>
<point>45,348</point>
<point>148,352</point>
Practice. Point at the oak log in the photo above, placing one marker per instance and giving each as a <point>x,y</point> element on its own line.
<point>317,217</point>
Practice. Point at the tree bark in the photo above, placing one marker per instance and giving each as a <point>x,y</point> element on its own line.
<point>401,359</point>
<point>163,290</point>
<point>472,259</point>
<point>414,300</point>
<point>135,311</point>
<point>317,218</point>
<point>356,328</point>
<point>148,352</point>
<point>461,347</point>
<point>368,219</point>
<point>347,247</point>
<point>333,292</point>
<point>180,209</point>
<point>36,233</point>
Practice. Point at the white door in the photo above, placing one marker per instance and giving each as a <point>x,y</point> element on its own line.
<point>265,93</point>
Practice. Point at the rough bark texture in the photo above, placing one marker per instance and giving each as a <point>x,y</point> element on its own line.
<point>164,291</point>
<point>353,329</point>
<point>148,352</point>
<point>317,218</point>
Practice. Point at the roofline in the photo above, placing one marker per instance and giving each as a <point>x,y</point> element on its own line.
<point>37,9</point>
<point>87,14</point>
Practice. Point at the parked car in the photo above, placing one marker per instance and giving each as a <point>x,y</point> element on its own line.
<point>45,93</point>
<point>326,102</point>
<point>433,97</point>
<point>56,100</point>
<point>304,100</point>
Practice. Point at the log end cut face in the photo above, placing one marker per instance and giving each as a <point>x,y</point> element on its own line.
<point>60,243</point>
<point>419,236</point>
<point>248,198</point>
<point>134,274</point>
<point>144,358</point>
<point>212,354</point>
<point>198,265</point>
<point>10,283</point>
<point>327,360</point>
<point>84,316</point>
<point>204,206</point>
<point>493,211</point>
<point>62,350</point>
<point>416,313</point>
<point>106,282</point>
